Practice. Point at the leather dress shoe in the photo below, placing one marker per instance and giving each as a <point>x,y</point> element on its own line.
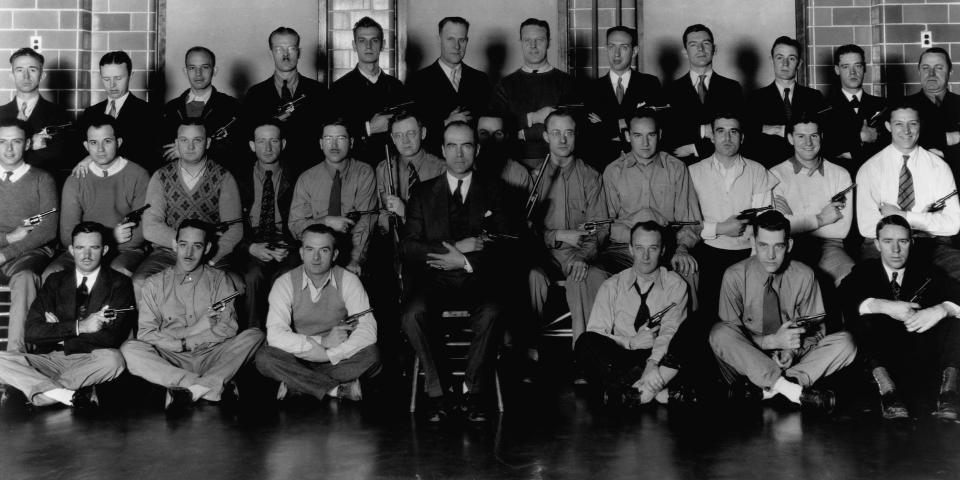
<point>178,398</point>
<point>822,400</point>
<point>892,408</point>
<point>948,404</point>
<point>86,398</point>
<point>436,410</point>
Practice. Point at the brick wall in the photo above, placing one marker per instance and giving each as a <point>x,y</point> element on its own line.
<point>580,33</point>
<point>341,16</point>
<point>889,31</point>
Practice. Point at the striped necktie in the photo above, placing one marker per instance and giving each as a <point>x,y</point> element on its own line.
<point>895,287</point>
<point>905,194</point>
<point>22,116</point>
<point>702,89</point>
<point>412,178</point>
<point>787,108</point>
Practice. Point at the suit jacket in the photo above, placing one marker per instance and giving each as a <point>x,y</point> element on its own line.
<point>843,126</point>
<point>435,98</point>
<point>219,110</point>
<point>245,182</point>
<point>764,106</point>
<point>58,296</point>
<point>686,113</point>
<point>601,99</point>
<point>57,158</point>
<point>935,122</point>
<point>137,124</point>
<point>357,100</point>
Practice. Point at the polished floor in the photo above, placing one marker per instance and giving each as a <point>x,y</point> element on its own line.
<point>550,430</point>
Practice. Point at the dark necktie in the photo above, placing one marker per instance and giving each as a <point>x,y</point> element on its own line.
<point>267,205</point>
<point>787,108</point>
<point>6,176</point>
<point>855,104</point>
<point>412,178</point>
<point>702,89</point>
<point>334,209</point>
<point>83,294</point>
<point>285,95</point>
<point>457,195</point>
<point>895,287</point>
<point>905,194</point>
<point>620,90</point>
<point>771,308</point>
<point>643,313</point>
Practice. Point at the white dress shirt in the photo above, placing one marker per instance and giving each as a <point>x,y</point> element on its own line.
<point>114,168</point>
<point>17,172</point>
<point>807,191</point>
<point>727,191</point>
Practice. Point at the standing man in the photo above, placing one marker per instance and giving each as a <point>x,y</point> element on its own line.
<point>187,341</point>
<point>328,192</point>
<point>939,108</point>
<point>75,336</point>
<point>25,247</point>
<point>203,101</point>
<point>363,95</point>
<point>314,346</point>
<point>697,97</point>
<point>855,118</point>
<point>448,89</point>
<point>757,337</point>
<point>45,151</point>
<point>533,91</point>
<point>137,121</point>
<point>299,102</point>
<point>771,109</point>
<point>613,98</point>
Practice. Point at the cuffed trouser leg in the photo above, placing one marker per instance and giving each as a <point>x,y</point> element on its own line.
<point>831,353</point>
<point>580,297</point>
<point>35,374</point>
<point>315,378</point>
<point>738,356</point>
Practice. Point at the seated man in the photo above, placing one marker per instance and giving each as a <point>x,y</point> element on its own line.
<point>187,340</point>
<point>625,338</point>
<point>329,192</point>
<point>74,328</point>
<point>413,166</point>
<point>494,157</point>
<point>321,334</point>
<point>114,188</point>
<point>904,316</point>
<point>25,192</point>
<point>806,184</point>
<point>761,300</point>
<point>450,262</point>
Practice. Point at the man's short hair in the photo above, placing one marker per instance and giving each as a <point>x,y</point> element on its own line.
<point>367,22</point>
<point>845,49</point>
<point>644,113</point>
<point>805,118</point>
<point>507,119</point>
<point>271,122</point>
<point>201,49</point>
<point>902,103</point>
<point>941,51</point>
<point>402,115</point>
<point>282,31</point>
<point>205,227</point>
<point>728,116</point>
<point>785,40</point>
<point>118,57</point>
<point>88,227</point>
<point>560,112</point>
<point>629,31</point>
<point>458,124</point>
<point>336,122</point>
<point>537,23</point>
<point>771,221</point>
<point>17,123</point>
<point>894,220</point>
<point>100,120</point>
<point>648,226</point>
<point>192,122</point>
<point>697,27</point>
<point>457,20</point>
<point>321,229</point>
<point>26,52</point>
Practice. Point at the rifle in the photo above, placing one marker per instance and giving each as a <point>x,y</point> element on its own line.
<point>535,192</point>
<point>807,322</point>
<point>392,220</point>
<point>654,320</point>
<point>751,213</point>
<point>494,237</point>
<point>35,220</point>
<point>219,305</point>
<point>135,215</point>
<point>222,132</point>
<point>53,130</point>
<point>875,119</point>
<point>682,223</point>
<point>919,292</point>
<point>395,108</point>
<point>357,214</point>
<point>592,226</point>
<point>841,196</point>
<point>655,108</point>
<point>352,320</point>
<point>289,107</point>
<point>940,203</point>
<point>111,313</point>
<point>222,226</point>
<point>567,106</point>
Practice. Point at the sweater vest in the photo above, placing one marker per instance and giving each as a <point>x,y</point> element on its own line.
<point>203,203</point>
<point>318,318</point>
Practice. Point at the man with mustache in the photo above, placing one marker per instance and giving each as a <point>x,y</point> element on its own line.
<point>939,108</point>
<point>75,336</point>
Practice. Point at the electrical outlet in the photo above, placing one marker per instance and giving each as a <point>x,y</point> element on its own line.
<point>36,42</point>
<point>926,39</point>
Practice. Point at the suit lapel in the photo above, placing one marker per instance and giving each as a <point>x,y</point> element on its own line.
<point>475,203</point>
<point>441,212</point>
<point>68,295</point>
<point>101,290</point>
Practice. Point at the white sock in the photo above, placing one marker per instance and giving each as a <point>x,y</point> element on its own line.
<point>198,391</point>
<point>334,391</point>
<point>282,391</point>
<point>788,389</point>
<point>61,395</point>
<point>768,393</point>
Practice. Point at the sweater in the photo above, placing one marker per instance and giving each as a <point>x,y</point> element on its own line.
<point>34,193</point>
<point>520,93</point>
<point>106,201</point>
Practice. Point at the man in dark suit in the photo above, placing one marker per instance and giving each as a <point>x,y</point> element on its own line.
<point>939,107</point>
<point>450,262</point>
<point>299,102</point>
<point>770,109</point>
<point>74,332</point>
<point>855,119</point>
<point>448,89</point>
<point>903,313</point>
<point>136,120</point>
<point>48,151</point>
<point>612,98</point>
<point>696,97</point>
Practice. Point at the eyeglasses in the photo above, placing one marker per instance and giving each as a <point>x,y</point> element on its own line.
<point>329,139</point>
<point>410,134</point>
<point>556,134</point>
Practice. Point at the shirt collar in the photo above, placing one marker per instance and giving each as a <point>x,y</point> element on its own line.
<point>452,183</point>
<point>180,277</point>
<point>31,104</point>
<point>858,94</point>
<point>797,166</point>
<point>91,277</point>
<point>792,86</point>
<point>695,77</point>
<point>192,97</point>
<point>633,278</point>
<point>114,169</point>
<point>626,78</point>
<point>307,283</point>
<point>371,78</point>
<point>18,172</point>
<point>900,273</point>
<point>118,102</point>
<point>447,69</point>
<point>292,83</point>
<point>633,159</point>
<point>544,69</point>
<point>739,164</point>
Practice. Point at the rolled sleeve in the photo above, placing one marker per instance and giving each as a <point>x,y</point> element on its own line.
<point>279,318</point>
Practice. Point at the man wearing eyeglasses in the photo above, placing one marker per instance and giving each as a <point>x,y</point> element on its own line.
<point>413,167</point>
<point>336,187</point>
<point>363,94</point>
<point>297,101</point>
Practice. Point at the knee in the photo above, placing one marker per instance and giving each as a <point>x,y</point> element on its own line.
<point>132,348</point>
<point>720,335</point>
<point>250,336</point>
<point>843,341</point>
<point>266,358</point>
<point>110,359</point>
<point>369,356</point>
<point>587,342</point>
<point>22,279</point>
<point>413,315</point>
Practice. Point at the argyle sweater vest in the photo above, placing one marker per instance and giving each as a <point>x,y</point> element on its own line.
<point>203,203</point>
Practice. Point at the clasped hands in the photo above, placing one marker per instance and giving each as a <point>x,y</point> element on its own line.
<point>455,257</point>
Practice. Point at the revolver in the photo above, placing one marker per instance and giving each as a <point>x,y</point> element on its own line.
<point>592,226</point>
<point>841,196</point>
<point>916,295</point>
<point>940,203</point>
<point>223,131</point>
<point>56,129</point>
<point>810,321</point>
<point>135,215</point>
<point>358,214</point>
<point>112,313</point>
<point>682,223</point>
<point>219,305</point>
<point>35,220</point>
<point>352,320</point>
<point>751,213</point>
<point>289,107</point>
<point>654,320</point>
<point>222,226</point>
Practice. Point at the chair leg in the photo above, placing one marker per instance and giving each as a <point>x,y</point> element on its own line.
<point>414,381</point>
<point>496,384</point>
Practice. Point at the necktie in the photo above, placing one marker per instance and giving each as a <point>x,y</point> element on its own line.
<point>285,95</point>
<point>702,89</point>
<point>267,205</point>
<point>895,287</point>
<point>22,116</point>
<point>905,194</point>
<point>855,104</point>
<point>7,175</point>
<point>787,108</point>
<point>455,79</point>
<point>620,90</point>
<point>334,209</point>
<point>771,308</point>
<point>412,178</point>
<point>112,111</point>
<point>643,313</point>
<point>83,294</point>
<point>457,196</point>
<point>104,172</point>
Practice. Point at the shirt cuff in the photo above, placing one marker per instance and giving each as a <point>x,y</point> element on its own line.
<point>709,231</point>
<point>366,127</point>
<point>466,265</point>
<point>864,308</point>
<point>953,309</point>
